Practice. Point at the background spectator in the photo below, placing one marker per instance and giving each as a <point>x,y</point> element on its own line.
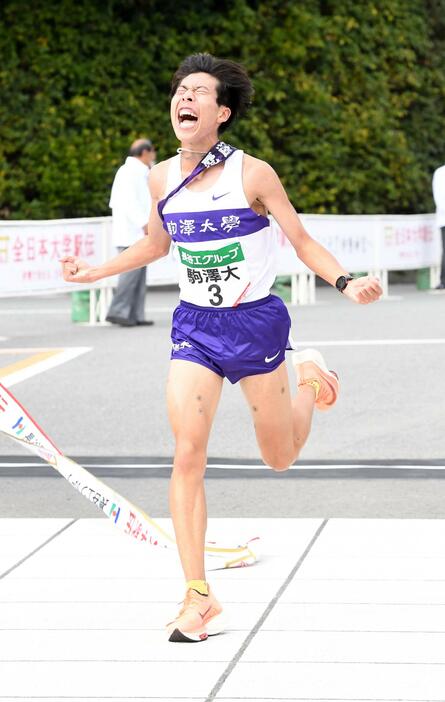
<point>130,202</point>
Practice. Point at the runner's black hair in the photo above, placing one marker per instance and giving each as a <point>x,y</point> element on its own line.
<point>235,89</point>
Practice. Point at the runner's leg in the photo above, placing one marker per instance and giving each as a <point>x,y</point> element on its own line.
<point>282,425</point>
<point>193,393</point>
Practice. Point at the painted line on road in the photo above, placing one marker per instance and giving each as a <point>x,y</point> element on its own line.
<point>39,548</point>
<point>299,467</point>
<point>67,311</point>
<point>372,342</point>
<point>21,312</point>
<point>312,342</point>
<point>37,356</point>
<point>28,349</point>
<point>239,472</point>
<point>259,623</point>
<point>40,361</point>
<point>334,466</point>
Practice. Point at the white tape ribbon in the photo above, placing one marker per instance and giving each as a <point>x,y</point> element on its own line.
<point>16,423</point>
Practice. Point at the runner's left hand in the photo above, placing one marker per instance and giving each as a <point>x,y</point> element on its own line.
<point>363,290</point>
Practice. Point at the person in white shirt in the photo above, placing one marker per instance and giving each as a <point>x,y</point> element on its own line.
<point>439,199</point>
<point>130,202</point>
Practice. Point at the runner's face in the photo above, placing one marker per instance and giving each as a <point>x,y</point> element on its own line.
<point>194,111</point>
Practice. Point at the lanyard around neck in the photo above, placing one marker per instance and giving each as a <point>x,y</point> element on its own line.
<point>219,153</point>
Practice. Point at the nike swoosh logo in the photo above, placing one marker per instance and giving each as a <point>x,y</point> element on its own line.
<point>203,616</point>
<point>272,358</point>
<point>217,197</point>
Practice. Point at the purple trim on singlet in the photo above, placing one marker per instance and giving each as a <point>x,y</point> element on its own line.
<point>211,225</point>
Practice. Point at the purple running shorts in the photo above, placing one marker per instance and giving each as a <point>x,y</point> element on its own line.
<point>234,342</point>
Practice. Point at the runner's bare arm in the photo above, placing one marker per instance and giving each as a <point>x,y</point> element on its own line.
<point>148,249</point>
<point>262,183</point>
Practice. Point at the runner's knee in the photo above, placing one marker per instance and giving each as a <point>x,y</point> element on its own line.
<point>190,458</point>
<point>278,460</point>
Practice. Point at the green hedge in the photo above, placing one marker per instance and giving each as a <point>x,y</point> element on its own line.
<point>349,105</point>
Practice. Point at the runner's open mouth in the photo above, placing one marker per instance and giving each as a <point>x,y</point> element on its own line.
<point>187,116</point>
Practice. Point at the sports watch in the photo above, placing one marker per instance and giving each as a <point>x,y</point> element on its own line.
<point>342,282</point>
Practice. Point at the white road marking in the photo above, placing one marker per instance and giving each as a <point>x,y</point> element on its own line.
<point>67,310</point>
<point>39,366</point>
<point>372,342</point>
<point>241,466</point>
<point>27,349</point>
<point>21,312</point>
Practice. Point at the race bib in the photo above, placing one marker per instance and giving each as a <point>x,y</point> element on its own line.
<point>213,277</point>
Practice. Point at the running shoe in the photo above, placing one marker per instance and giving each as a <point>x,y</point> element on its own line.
<point>311,369</point>
<point>200,616</point>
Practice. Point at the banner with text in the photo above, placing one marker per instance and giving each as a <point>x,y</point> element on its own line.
<point>368,242</point>
<point>30,251</point>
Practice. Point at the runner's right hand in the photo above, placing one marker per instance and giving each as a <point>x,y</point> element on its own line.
<point>75,270</point>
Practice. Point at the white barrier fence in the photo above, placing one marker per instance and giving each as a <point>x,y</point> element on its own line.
<point>374,244</point>
<point>30,252</point>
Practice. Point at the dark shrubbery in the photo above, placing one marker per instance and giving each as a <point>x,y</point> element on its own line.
<point>349,105</point>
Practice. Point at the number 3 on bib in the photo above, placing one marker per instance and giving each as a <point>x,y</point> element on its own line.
<point>217,277</point>
<point>216,298</point>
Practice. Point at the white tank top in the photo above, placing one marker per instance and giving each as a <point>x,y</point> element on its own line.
<point>226,251</point>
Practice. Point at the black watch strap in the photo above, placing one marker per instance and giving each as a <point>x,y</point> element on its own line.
<point>342,282</point>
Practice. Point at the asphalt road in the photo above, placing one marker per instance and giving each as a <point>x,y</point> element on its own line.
<point>109,403</point>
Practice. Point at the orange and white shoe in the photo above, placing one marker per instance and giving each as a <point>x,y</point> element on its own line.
<point>311,369</point>
<point>200,616</point>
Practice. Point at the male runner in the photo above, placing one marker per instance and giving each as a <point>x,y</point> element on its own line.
<point>227,324</point>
